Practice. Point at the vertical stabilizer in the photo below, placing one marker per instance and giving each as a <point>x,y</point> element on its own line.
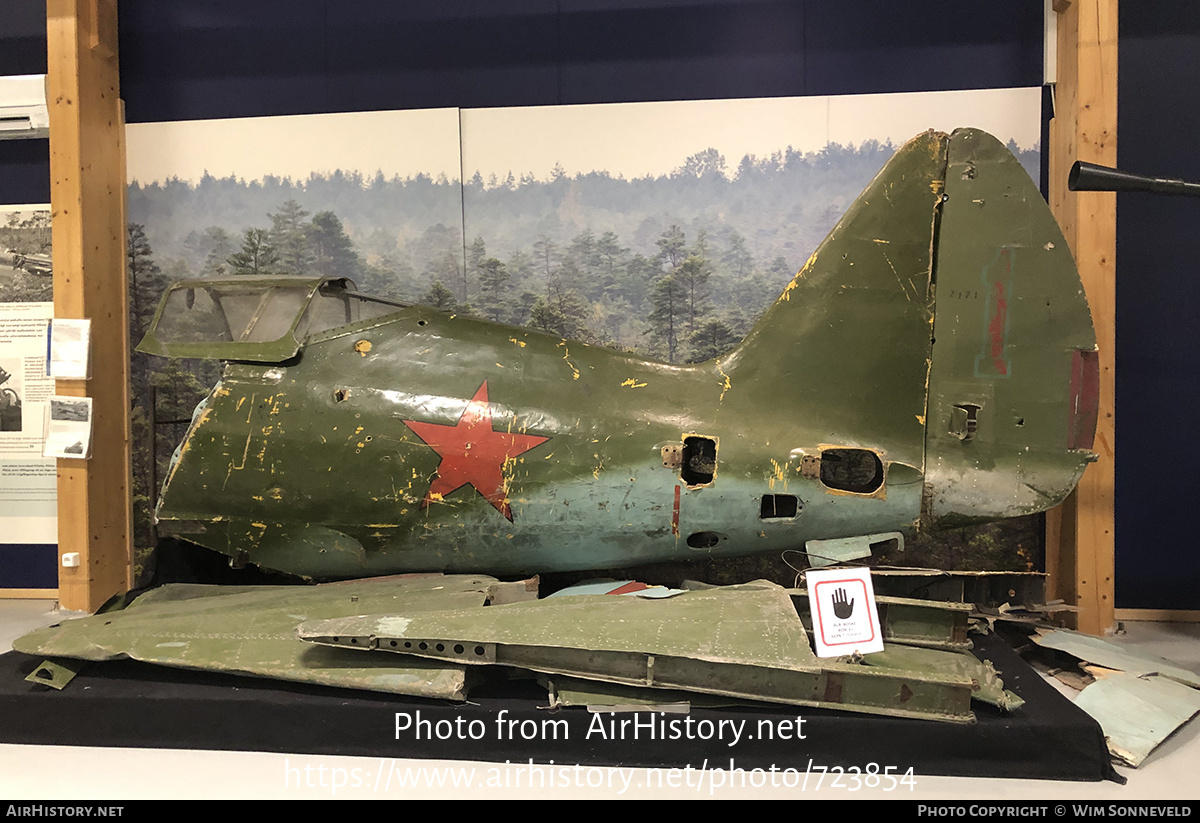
<point>1013,385</point>
<point>846,346</point>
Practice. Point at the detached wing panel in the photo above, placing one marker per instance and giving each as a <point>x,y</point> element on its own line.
<point>252,631</point>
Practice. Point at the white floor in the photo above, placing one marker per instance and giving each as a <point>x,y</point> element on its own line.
<point>68,772</point>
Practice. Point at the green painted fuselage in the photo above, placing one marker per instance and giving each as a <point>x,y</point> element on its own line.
<point>425,441</point>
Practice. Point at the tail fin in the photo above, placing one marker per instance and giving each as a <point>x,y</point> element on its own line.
<point>1013,389</point>
<point>847,344</point>
<point>995,403</point>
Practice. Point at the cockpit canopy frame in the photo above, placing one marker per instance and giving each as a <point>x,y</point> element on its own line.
<point>254,319</point>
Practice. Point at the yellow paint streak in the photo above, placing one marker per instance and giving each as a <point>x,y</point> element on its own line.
<point>499,365</point>
<point>520,343</point>
<point>567,358</point>
<point>936,186</point>
<point>232,467</point>
<point>255,539</point>
<point>800,275</point>
<point>880,240</point>
<point>778,474</point>
<point>921,419</point>
<point>633,384</point>
<point>726,386</point>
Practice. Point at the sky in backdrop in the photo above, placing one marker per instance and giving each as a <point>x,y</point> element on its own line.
<point>625,139</point>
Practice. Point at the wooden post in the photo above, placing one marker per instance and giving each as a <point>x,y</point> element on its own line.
<point>1085,128</point>
<point>87,201</point>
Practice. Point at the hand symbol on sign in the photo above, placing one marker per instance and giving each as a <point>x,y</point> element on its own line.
<point>841,607</point>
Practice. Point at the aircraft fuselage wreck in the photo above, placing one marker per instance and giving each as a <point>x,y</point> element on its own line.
<point>932,363</point>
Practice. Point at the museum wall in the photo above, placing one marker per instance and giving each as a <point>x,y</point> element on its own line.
<point>220,58</point>
<point>1158,301</point>
<point>24,164</point>
<point>24,179</point>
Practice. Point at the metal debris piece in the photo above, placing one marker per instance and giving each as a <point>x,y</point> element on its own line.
<point>612,697</point>
<point>1113,655</point>
<point>521,590</point>
<point>823,553</point>
<point>913,622</point>
<point>1138,713</point>
<point>987,590</point>
<point>56,673</point>
<point>986,681</point>
<point>251,630</point>
<point>739,641</point>
<point>631,588</point>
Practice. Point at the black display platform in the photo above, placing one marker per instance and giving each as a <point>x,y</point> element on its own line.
<point>125,703</point>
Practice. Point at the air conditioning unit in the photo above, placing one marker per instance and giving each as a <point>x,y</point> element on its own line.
<point>23,107</point>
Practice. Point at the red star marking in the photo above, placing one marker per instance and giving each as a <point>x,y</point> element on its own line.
<point>473,452</point>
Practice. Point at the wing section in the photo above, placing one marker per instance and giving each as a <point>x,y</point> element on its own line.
<point>251,630</point>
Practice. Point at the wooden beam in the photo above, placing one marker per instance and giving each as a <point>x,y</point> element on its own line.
<point>1085,128</point>
<point>29,594</point>
<point>87,201</point>
<point>1160,615</point>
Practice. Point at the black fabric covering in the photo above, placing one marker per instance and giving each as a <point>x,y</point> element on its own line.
<point>125,703</point>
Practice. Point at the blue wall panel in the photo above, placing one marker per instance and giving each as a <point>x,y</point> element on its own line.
<point>24,164</point>
<point>1158,303</point>
<point>28,566</point>
<point>25,178</point>
<point>25,171</point>
<point>23,37</point>
<point>383,55</point>
<point>681,51</point>
<point>223,58</point>
<point>864,46</point>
